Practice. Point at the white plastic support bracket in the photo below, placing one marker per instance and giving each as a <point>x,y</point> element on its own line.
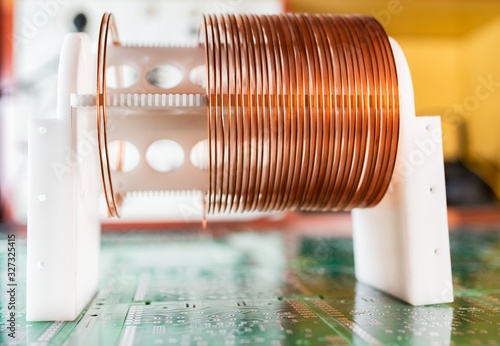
<point>63,223</point>
<point>401,246</point>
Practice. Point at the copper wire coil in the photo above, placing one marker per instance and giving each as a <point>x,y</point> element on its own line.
<point>275,130</point>
<point>305,114</point>
<point>232,82</point>
<point>324,104</point>
<point>331,69</point>
<point>355,109</point>
<point>108,27</point>
<point>362,64</point>
<point>298,133</point>
<point>341,74</point>
<point>319,116</point>
<point>387,149</point>
<point>372,110</point>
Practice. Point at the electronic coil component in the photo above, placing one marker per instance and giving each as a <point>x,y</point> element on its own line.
<point>292,124</point>
<point>281,112</point>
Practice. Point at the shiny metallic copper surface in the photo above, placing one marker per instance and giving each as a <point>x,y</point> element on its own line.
<point>107,28</point>
<point>303,112</point>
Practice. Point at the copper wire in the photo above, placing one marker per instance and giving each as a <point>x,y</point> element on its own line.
<point>371,111</point>
<point>310,107</point>
<point>356,130</point>
<point>108,27</point>
<point>303,112</point>
<point>325,63</point>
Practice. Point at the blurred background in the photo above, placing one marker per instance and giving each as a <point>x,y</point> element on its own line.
<point>452,46</point>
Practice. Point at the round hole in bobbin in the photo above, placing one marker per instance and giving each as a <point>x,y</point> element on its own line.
<point>123,156</point>
<point>121,76</point>
<point>198,76</point>
<point>199,155</point>
<point>165,155</point>
<point>164,76</point>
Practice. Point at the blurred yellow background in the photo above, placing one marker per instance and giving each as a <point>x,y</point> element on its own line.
<point>453,49</point>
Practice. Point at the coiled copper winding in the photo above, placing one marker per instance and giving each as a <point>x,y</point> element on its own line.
<point>108,27</point>
<point>303,112</point>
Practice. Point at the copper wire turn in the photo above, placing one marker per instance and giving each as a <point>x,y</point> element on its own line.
<point>107,27</point>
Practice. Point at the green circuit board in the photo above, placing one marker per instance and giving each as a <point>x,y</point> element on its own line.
<point>258,289</point>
